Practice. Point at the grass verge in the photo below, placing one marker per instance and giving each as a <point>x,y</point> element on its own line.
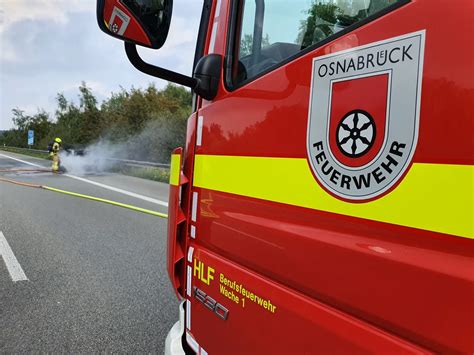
<point>26,152</point>
<point>149,173</point>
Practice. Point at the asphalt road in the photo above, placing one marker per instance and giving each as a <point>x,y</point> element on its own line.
<point>96,273</point>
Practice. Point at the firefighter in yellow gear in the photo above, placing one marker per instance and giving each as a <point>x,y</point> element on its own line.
<point>55,154</point>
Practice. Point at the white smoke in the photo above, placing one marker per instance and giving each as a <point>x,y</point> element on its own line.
<point>97,158</point>
<point>152,144</point>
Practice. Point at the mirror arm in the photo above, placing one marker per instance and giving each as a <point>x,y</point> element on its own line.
<point>137,61</point>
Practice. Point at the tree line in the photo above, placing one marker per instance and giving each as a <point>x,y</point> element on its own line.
<point>154,120</point>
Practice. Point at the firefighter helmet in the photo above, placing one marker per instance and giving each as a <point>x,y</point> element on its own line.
<point>58,140</point>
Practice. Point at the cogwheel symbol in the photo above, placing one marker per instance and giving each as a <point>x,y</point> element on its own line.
<point>355,133</point>
<point>115,28</point>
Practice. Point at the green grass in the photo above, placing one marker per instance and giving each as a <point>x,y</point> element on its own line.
<point>149,173</point>
<point>26,152</point>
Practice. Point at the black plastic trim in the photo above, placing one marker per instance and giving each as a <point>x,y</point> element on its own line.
<point>208,73</point>
<point>156,42</point>
<point>201,40</point>
<point>231,35</point>
<point>159,39</point>
<point>155,71</point>
<point>203,29</point>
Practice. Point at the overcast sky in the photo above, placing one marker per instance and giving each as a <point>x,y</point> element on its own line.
<point>50,46</point>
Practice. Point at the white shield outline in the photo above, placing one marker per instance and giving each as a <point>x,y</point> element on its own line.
<point>123,16</point>
<point>420,36</point>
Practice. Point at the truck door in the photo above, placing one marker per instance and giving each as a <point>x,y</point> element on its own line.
<point>322,218</point>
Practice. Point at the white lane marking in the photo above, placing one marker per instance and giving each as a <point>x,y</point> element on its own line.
<point>193,232</point>
<point>108,187</point>
<point>199,131</point>
<point>188,284</point>
<point>11,262</point>
<point>125,192</point>
<point>194,207</point>
<point>188,314</point>
<point>22,161</point>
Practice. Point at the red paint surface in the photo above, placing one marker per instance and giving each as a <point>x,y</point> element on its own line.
<point>367,94</point>
<point>269,116</point>
<point>298,325</point>
<point>134,31</point>
<point>400,279</point>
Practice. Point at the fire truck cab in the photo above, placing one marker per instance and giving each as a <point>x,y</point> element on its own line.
<point>323,202</point>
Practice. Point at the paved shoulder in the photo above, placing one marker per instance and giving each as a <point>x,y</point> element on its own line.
<point>96,274</point>
<point>147,192</point>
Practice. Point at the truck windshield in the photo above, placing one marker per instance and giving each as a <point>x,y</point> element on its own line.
<point>273,30</point>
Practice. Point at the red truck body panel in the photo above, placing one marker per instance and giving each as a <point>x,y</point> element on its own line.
<point>391,274</point>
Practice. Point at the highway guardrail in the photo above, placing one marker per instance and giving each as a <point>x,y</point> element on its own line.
<point>137,163</point>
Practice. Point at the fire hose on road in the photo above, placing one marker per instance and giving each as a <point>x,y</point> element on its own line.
<point>75,194</point>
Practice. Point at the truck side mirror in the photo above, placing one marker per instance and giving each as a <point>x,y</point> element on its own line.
<point>146,23</point>
<point>142,22</point>
<point>208,73</point>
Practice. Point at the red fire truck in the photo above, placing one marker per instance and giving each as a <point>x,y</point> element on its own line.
<point>323,202</point>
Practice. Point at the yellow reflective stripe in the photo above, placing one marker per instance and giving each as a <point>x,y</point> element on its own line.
<point>434,197</point>
<point>175,169</point>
